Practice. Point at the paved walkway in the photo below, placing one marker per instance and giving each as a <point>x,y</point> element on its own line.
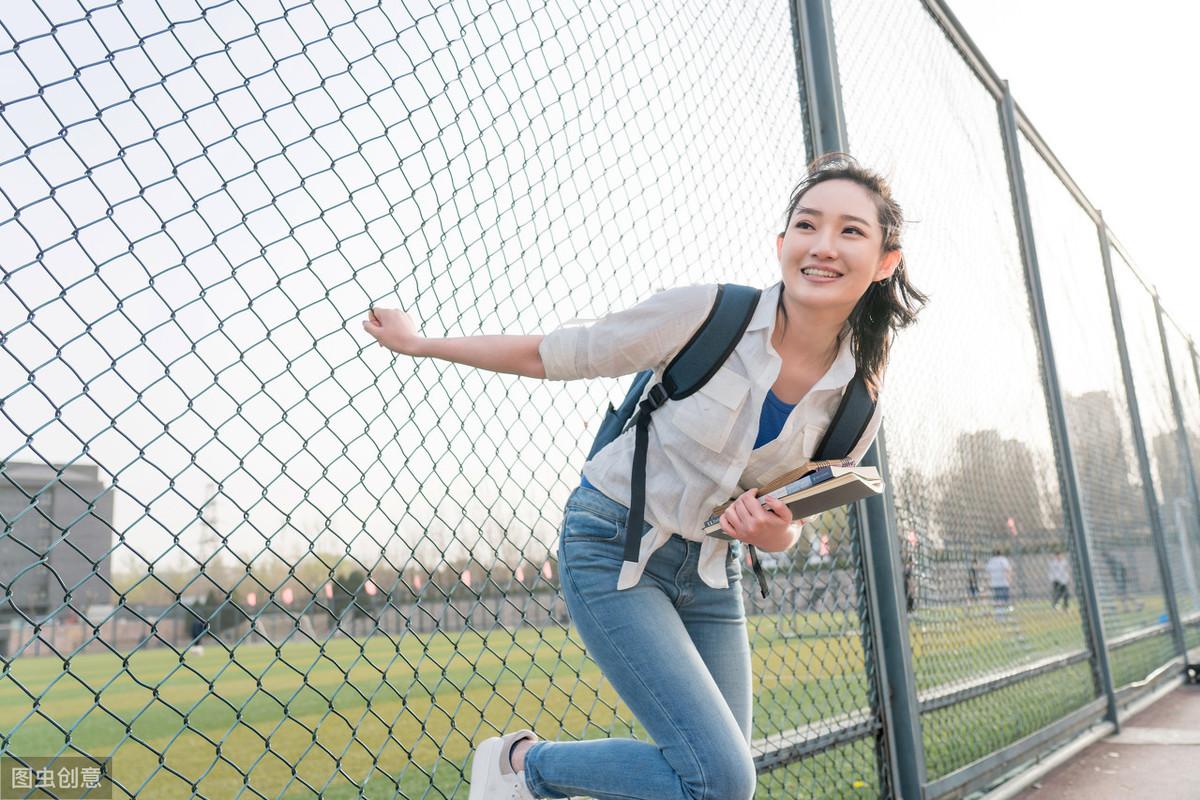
<point>1156,756</point>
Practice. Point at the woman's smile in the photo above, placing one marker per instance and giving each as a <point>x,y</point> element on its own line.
<point>819,275</point>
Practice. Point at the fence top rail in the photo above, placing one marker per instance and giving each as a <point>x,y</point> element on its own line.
<point>1168,320</point>
<point>996,85</point>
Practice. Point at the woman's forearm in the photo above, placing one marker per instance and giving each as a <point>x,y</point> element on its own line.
<point>517,355</point>
<point>777,543</point>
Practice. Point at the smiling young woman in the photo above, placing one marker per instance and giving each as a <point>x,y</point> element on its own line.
<point>669,632</point>
<point>842,265</point>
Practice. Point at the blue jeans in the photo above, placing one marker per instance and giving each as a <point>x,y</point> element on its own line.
<point>677,652</point>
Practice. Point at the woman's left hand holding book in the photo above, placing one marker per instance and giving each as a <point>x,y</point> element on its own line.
<point>769,529</point>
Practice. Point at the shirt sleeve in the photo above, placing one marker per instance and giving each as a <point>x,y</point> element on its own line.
<point>643,337</point>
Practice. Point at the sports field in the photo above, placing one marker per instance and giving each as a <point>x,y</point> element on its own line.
<point>298,721</point>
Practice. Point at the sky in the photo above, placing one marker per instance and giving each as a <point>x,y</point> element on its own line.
<point>1107,86</point>
<point>235,352</point>
<point>200,342</point>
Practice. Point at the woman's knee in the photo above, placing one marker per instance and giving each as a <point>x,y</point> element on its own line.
<point>729,776</point>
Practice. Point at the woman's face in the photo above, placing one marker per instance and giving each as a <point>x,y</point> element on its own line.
<point>831,250</point>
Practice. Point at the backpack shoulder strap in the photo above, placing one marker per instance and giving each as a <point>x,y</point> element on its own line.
<point>849,421</point>
<point>713,343</point>
<point>691,368</point>
<point>844,432</point>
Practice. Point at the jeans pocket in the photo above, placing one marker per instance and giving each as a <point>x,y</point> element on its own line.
<point>580,525</point>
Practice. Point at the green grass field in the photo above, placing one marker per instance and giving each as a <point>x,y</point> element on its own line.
<point>383,715</point>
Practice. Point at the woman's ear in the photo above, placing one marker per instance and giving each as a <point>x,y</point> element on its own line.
<point>888,265</point>
<point>779,248</point>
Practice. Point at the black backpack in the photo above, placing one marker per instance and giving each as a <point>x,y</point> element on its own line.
<point>691,368</point>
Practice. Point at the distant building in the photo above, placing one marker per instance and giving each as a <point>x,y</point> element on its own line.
<point>51,542</point>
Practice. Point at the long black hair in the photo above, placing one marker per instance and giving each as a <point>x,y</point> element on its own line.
<point>887,305</point>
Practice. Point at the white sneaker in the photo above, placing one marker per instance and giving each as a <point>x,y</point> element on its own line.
<point>492,775</point>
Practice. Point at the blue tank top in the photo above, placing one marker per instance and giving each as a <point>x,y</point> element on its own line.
<point>774,414</point>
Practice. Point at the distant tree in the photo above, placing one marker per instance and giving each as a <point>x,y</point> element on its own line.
<point>347,589</point>
<point>1102,449</point>
<point>990,480</point>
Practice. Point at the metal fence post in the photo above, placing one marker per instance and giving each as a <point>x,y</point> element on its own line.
<point>901,752</point>
<point>904,745</point>
<point>820,85</point>
<point>1139,445</point>
<point>1195,364</point>
<point>1076,521</point>
<point>1189,468</point>
<point>1194,669</point>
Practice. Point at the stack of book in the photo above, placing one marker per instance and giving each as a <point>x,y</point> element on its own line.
<point>811,489</point>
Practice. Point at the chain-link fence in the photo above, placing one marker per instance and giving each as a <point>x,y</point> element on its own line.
<point>244,554</point>
<point>1037,476</point>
